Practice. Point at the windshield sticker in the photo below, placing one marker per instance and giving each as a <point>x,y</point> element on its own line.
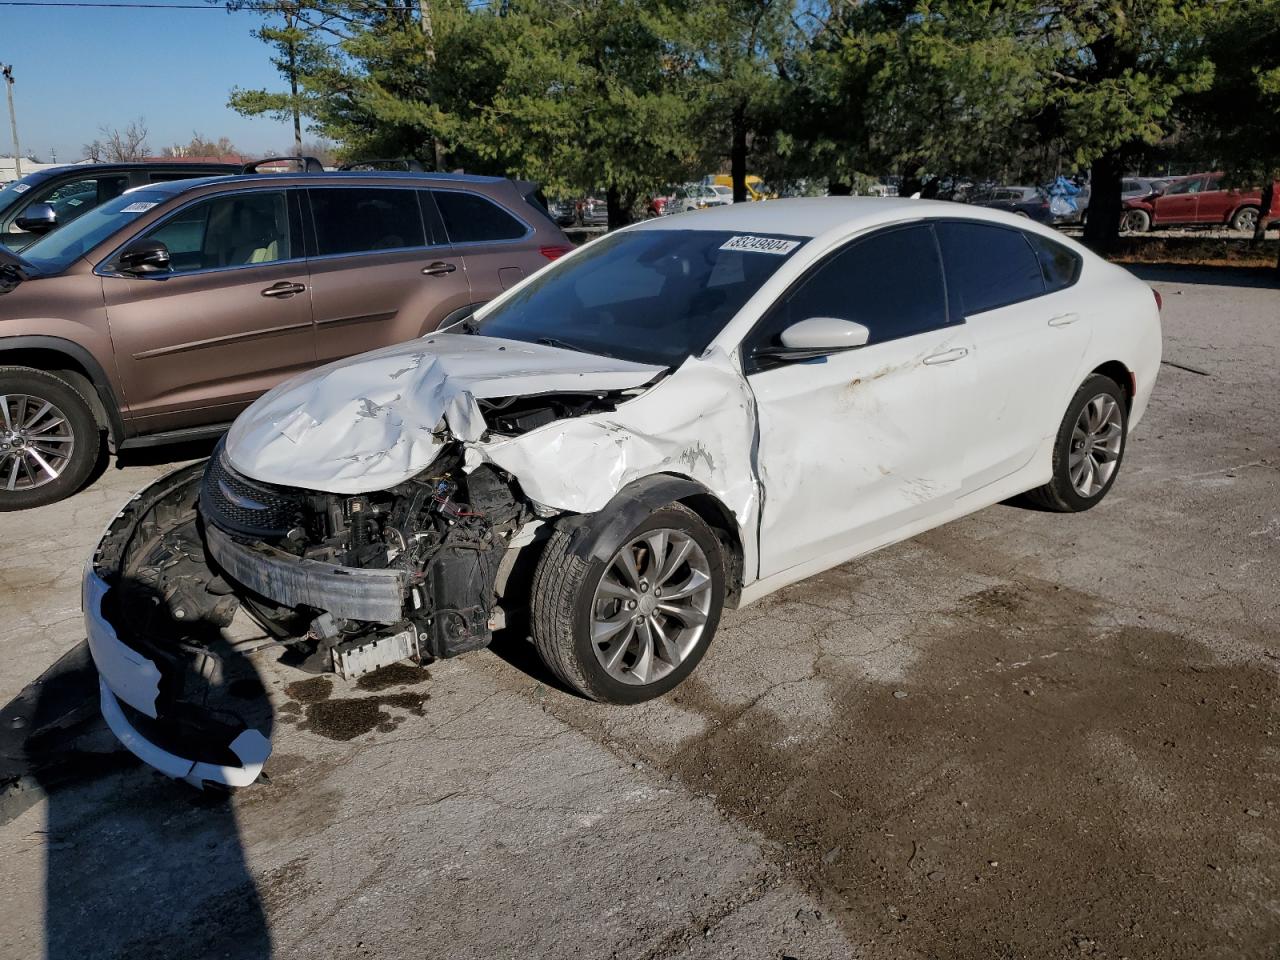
<point>21,187</point>
<point>760,245</point>
<point>141,206</point>
<point>74,203</point>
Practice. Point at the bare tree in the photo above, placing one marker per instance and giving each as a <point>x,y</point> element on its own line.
<point>94,151</point>
<point>120,146</point>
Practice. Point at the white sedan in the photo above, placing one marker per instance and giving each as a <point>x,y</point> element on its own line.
<point>681,416</point>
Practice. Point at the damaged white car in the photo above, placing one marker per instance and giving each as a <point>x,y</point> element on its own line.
<point>678,417</point>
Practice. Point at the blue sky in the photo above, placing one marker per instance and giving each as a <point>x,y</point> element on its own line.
<point>78,68</point>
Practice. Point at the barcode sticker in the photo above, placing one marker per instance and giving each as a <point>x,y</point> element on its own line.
<point>760,245</point>
<point>141,206</point>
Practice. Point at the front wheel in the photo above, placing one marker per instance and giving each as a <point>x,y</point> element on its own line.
<point>1088,449</point>
<point>1135,221</point>
<point>49,440</point>
<point>630,628</point>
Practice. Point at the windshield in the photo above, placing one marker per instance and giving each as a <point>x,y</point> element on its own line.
<point>650,296</point>
<point>56,251</point>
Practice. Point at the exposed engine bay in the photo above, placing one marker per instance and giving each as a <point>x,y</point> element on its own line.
<point>358,582</point>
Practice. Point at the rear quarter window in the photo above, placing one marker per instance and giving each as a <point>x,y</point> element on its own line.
<point>471,218</point>
<point>1059,265</point>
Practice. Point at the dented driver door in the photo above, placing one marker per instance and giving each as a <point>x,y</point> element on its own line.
<point>863,447</point>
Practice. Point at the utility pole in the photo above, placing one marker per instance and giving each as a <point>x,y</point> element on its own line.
<point>13,120</point>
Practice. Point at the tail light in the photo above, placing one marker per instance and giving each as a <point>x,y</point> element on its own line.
<point>1159,299</point>
<point>554,253</point>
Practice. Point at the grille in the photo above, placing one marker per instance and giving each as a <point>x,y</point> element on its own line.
<point>243,506</point>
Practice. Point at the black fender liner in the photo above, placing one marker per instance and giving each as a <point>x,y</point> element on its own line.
<point>85,360</point>
<point>597,536</point>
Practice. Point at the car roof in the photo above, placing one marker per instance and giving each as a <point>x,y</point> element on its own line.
<point>815,216</point>
<point>337,176</point>
<point>179,164</point>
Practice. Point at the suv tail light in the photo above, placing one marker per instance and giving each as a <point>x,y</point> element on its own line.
<point>554,253</point>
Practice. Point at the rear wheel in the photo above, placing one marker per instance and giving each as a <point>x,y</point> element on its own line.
<point>49,440</point>
<point>630,628</point>
<point>1245,219</point>
<point>1135,221</point>
<point>1088,449</point>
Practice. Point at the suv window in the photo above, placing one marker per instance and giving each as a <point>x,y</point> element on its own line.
<point>365,219</point>
<point>471,218</point>
<point>988,266</point>
<point>1186,186</point>
<point>890,282</point>
<point>228,231</point>
<point>71,200</point>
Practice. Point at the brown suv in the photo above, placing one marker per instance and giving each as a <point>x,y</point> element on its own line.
<point>160,314</point>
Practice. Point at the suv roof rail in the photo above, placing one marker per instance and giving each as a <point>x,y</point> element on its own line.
<point>407,164</point>
<point>306,164</point>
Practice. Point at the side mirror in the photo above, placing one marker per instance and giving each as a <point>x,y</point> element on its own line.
<point>818,337</point>
<point>143,258</point>
<point>39,218</point>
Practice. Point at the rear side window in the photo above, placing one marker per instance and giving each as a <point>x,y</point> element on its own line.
<point>891,283</point>
<point>1059,266</point>
<point>471,218</point>
<point>988,266</point>
<point>365,220</point>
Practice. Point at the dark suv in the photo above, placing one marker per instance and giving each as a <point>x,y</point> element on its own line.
<point>160,314</point>
<point>41,202</point>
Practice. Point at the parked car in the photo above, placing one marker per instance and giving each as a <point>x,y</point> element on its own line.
<point>696,196</point>
<point>161,313</point>
<point>1132,187</point>
<point>724,193</point>
<point>591,212</point>
<point>1029,202</point>
<point>41,202</point>
<point>1198,200</point>
<point>757,189</point>
<point>682,416</point>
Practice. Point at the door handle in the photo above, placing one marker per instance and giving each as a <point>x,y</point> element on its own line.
<point>1063,319</point>
<point>284,289</point>
<point>438,269</point>
<point>947,356</point>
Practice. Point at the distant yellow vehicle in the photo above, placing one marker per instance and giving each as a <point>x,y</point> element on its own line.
<point>757,189</point>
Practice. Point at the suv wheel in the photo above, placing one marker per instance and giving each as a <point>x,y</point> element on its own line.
<point>1246,219</point>
<point>628,629</point>
<point>49,440</point>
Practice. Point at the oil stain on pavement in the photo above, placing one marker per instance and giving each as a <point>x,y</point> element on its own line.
<point>312,707</point>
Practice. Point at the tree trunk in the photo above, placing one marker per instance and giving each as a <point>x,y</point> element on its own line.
<point>1264,213</point>
<point>1102,225</point>
<point>738,154</point>
<point>619,208</point>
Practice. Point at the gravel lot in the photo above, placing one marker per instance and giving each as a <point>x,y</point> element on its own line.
<point>1021,735</point>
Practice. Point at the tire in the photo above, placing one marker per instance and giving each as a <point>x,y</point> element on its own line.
<point>1245,219</point>
<point>1135,221</point>
<point>1065,493</point>
<point>567,604</point>
<point>65,436</point>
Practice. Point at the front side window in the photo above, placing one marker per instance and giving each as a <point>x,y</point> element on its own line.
<point>236,230</point>
<point>988,266</point>
<point>652,296</point>
<point>890,282</point>
<point>471,218</point>
<point>1186,186</point>
<point>365,220</point>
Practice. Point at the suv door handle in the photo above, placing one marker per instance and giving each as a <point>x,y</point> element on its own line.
<point>439,268</point>
<point>947,356</point>
<point>1063,319</point>
<point>284,289</point>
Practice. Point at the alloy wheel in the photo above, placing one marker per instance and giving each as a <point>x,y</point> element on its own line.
<point>651,606</point>
<point>1096,440</point>
<point>36,442</point>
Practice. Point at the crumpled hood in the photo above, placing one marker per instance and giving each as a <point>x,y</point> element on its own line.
<point>373,421</point>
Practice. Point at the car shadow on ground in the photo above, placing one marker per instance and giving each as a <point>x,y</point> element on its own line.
<point>136,865</point>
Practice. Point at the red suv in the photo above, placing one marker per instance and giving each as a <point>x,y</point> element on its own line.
<point>1197,200</point>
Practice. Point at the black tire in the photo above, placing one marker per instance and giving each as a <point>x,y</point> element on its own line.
<point>1135,221</point>
<point>1060,494</point>
<point>563,589</point>
<point>83,428</point>
<point>1246,218</point>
